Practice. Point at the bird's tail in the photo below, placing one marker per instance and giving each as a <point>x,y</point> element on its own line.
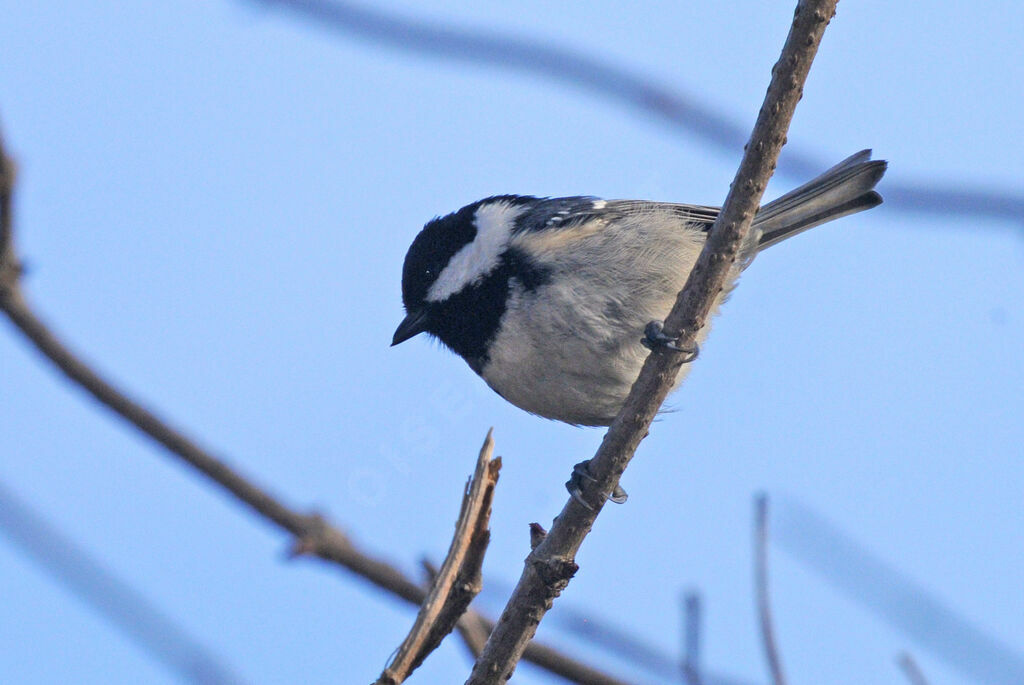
<point>846,188</point>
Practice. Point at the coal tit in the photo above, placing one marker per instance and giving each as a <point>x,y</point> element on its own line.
<point>547,299</point>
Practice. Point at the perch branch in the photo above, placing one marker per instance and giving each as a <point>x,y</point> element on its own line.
<point>459,579</point>
<point>551,565</point>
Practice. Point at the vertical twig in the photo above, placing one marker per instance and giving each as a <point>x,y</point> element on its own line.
<point>764,605</point>
<point>10,270</point>
<point>458,581</point>
<point>909,666</point>
<point>691,638</point>
<point>552,564</point>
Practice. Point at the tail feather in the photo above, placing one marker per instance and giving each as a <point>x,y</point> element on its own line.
<point>846,188</point>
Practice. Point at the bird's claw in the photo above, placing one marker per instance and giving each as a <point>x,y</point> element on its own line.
<point>655,338</point>
<point>581,473</point>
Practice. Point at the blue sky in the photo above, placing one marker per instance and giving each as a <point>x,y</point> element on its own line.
<point>215,200</point>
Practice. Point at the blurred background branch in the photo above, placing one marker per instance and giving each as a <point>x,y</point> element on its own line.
<point>691,638</point>
<point>910,669</point>
<point>762,591</point>
<point>127,609</point>
<point>892,596</point>
<point>685,114</point>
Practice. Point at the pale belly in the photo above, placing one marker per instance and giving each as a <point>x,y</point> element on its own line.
<point>577,367</point>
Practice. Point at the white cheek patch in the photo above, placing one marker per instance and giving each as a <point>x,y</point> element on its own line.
<point>494,224</point>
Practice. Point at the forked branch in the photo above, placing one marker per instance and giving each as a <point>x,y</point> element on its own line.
<point>459,580</point>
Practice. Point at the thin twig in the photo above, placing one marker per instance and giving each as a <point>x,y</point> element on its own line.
<point>459,579</point>
<point>909,666</point>
<point>10,270</point>
<point>313,535</point>
<point>691,638</point>
<point>764,604</point>
<point>124,606</point>
<point>551,565</point>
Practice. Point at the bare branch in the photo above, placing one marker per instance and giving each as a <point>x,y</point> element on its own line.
<point>691,638</point>
<point>764,605</point>
<point>459,579</point>
<point>551,565</point>
<point>909,666</point>
<point>684,112</point>
<point>480,47</point>
<point>313,534</point>
<point>474,630</point>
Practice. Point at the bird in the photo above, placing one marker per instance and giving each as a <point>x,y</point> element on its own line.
<point>554,302</point>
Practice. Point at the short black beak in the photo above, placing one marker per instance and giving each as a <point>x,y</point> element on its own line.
<point>413,324</point>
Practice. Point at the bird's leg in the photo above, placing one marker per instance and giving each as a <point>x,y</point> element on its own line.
<point>581,473</point>
<point>654,337</point>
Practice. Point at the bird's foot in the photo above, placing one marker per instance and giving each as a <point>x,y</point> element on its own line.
<point>654,337</point>
<point>580,474</point>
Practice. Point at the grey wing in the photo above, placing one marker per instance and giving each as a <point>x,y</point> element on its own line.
<point>557,212</point>
<point>567,212</point>
<point>701,215</point>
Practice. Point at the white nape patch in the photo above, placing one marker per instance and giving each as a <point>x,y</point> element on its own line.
<point>494,223</point>
<point>600,204</point>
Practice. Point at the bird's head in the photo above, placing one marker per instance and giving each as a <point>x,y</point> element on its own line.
<point>456,275</point>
